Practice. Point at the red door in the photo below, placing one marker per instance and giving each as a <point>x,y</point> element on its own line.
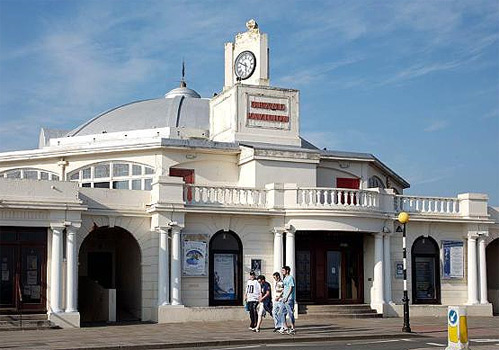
<point>188,176</point>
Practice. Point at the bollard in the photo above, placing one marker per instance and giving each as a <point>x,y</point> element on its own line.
<point>457,328</point>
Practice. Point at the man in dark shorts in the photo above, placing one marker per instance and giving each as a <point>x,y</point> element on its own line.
<point>265,301</point>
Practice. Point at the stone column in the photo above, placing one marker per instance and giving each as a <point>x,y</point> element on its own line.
<point>278,248</point>
<point>56,268</point>
<point>163,267</point>
<point>71,269</point>
<point>378,268</point>
<point>387,268</point>
<point>483,269</point>
<point>176,284</point>
<point>290,250</point>
<point>472,270</point>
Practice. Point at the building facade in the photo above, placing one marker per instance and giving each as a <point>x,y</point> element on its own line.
<point>158,209</point>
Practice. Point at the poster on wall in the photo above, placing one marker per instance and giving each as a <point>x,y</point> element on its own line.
<point>224,276</point>
<point>399,269</point>
<point>256,266</point>
<point>194,258</point>
<point>453,256</point>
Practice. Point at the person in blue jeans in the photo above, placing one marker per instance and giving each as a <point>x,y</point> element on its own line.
<point>288,299</point>
<point>278,306</point>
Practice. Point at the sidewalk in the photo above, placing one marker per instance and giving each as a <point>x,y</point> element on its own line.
<point>195,334</point>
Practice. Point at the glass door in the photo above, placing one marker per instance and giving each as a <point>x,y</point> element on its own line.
<point>334,275</point>
<point>8,280</point>
<point>425,278</point>
<point>32,279</point>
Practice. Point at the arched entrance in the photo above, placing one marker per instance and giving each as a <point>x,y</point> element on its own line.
<point>109,287</point>
<point>492,255</point>
<point>425,271</point>
<point>226,269</point>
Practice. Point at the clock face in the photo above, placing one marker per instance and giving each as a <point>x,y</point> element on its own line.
<point>245,65</point>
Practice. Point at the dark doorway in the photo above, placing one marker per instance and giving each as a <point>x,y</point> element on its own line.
<point>109,262</point>
<point>23,255</point>
<point>425,271</point>
<point>226,269</point>
<point>492,255</point>
<point>329,267</point>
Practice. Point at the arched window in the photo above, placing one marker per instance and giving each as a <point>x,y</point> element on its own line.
<point>425,271</point>
<point>29,173</point>
<point>119,175</point>
<point>375,182</point>
<point>226,269</point>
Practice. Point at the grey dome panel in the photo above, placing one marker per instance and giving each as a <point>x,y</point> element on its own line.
<point>179,111</point>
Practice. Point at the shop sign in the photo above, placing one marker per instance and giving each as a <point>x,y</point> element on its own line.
<point>268,112</point>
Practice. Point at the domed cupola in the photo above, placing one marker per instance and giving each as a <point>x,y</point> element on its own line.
<point>183,90</point>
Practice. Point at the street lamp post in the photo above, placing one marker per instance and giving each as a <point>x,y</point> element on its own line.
<point>403,219</point>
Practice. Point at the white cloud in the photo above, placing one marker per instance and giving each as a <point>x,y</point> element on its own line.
<point>437,125</point>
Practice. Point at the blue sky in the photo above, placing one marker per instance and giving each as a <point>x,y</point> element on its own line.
<point>416,83</point>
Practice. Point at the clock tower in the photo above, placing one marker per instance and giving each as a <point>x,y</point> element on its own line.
<point>247,58</point>
<point>249,109</point>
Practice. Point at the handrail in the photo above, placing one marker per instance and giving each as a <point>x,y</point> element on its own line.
<point>20,295</point>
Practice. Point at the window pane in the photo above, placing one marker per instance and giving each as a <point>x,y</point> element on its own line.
<point>75,176</point>
<point>121,169</point>
<point>86,185</point>
<point>101,184</point>
<point>147,184</point>
<point>101,170</point>
<point>136,184</point>
<point>14,174</point>
<point>55,177</point>
<point>44,175</point>
<point>31,174</point>
<point>136,169</point>
<point>149,170</point>
<point>120,185</point>
<point>85,173</point>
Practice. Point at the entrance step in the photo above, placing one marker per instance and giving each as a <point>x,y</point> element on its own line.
<point>25,322</point>
<point>338,311</point>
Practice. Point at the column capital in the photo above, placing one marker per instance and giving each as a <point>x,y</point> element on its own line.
<point>175,226</point>
<point>473,235</point>
<point>290,229</point>
<point>278,231</point>
<point>162,229</point>
<point>483,234</point>
<point>57,226</point>
<point>73,226</point>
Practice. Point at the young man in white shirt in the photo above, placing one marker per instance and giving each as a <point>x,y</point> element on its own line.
<point>251,297</point>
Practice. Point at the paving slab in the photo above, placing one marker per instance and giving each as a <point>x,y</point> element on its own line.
<point>196,334</point>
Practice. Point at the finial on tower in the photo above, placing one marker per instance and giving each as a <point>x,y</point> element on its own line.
<point>182,81</point>
<point>252,26</point>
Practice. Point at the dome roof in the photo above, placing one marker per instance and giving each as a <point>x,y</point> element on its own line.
<point>181,107</point>
<point>182,91</point>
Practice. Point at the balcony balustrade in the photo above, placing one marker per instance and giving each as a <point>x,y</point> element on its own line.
<point>318,198</point>
<point>337,198</point>
<point>225,196</point>
<point>426,205</point>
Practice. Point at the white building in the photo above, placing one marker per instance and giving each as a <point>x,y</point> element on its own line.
<point>158,209</point>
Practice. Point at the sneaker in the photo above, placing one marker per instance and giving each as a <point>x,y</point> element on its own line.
<point>291,331</point>
<point>275,330</point>
<point>283,331</point>
<point>251,328</point>
<point>256,330</point>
